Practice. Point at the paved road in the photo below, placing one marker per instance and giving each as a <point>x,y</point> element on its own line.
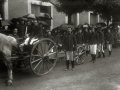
<point>104,74</point>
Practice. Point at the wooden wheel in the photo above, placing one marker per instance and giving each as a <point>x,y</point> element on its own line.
<point>79,55</point>
<point>43,56</point>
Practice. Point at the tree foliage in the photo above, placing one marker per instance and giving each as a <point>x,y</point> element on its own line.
<point>2,1</point>
<point>106,8</point>
<point>70,6</point>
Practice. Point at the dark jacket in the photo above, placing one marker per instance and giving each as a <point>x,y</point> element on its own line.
<point>93,38</point>
<point>101,37</point>
<point>37,31</point>
<point>21,30</point>
<point>50,37</point>
<point>86,37</point>
<point>30,30</point>
<point>80,38</point>
<point>69,42</point>
<point>58,39</point>
<point>115,35</point>
<point>15,36</point>
<point>109,38</point>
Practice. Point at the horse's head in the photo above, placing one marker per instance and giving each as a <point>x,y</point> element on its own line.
<point>12,40</point>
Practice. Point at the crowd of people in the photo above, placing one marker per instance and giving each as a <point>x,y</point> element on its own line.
<point>94,39</point>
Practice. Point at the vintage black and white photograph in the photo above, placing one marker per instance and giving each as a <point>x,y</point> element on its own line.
<point>59,44</point>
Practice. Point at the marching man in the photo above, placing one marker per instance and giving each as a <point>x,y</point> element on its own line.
<point>109,40</point>
<point>101,43</point>
<point>69,45</point>
<point>86,40</point>
<point>93,41</point>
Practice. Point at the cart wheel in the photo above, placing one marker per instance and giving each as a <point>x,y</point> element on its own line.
<point>79,55</point>
<point>43,56</point>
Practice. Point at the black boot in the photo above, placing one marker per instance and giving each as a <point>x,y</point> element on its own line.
<point>99,55</point>
<point>67,65</point>
<point>103,54</point>
<point>72,62</point>
<point>109,53</point>
<point>92,58</point>
<point>86,52</point>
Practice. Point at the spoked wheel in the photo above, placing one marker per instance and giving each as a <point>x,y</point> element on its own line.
<point>44,55</point>
<point>79,55</point>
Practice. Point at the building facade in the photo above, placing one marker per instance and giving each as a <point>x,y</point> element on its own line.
<point>18,8</point>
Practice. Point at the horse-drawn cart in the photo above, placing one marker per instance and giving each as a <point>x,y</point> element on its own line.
<point>41,57</point>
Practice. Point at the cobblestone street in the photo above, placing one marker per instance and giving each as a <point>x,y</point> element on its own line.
<point>101,75</point>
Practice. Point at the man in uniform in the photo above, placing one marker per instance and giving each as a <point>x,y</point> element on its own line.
<point>115,36</point>
<point>109,40</point>
<point>69,45</point>
<point>80,37</point>
<point>86,40</point>
<point>101,42</point>
<point>93,41</point>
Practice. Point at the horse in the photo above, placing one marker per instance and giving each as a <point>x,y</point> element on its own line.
<point>6,44</point>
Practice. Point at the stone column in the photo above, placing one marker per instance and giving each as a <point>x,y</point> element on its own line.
<point>29,6</point>
<point>89,17</point>
<point>66,19</point>
<point>98,18</point>
<point>6,10</point>
<point>77,19</point>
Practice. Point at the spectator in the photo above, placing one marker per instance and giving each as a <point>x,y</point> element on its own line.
<point>49,35</point>
<point>15,35</point>
<point>58,40</point>
<point>29,28</point>
<point>37,30</point>
<point>21,29</point>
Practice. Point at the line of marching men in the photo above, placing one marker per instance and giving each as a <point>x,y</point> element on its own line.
<point>93,39</point>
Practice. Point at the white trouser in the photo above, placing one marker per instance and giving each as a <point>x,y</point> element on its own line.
<point>100,48</point>
<point>69,55</point>
<point>109,47</point>
<point>93,49</point>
